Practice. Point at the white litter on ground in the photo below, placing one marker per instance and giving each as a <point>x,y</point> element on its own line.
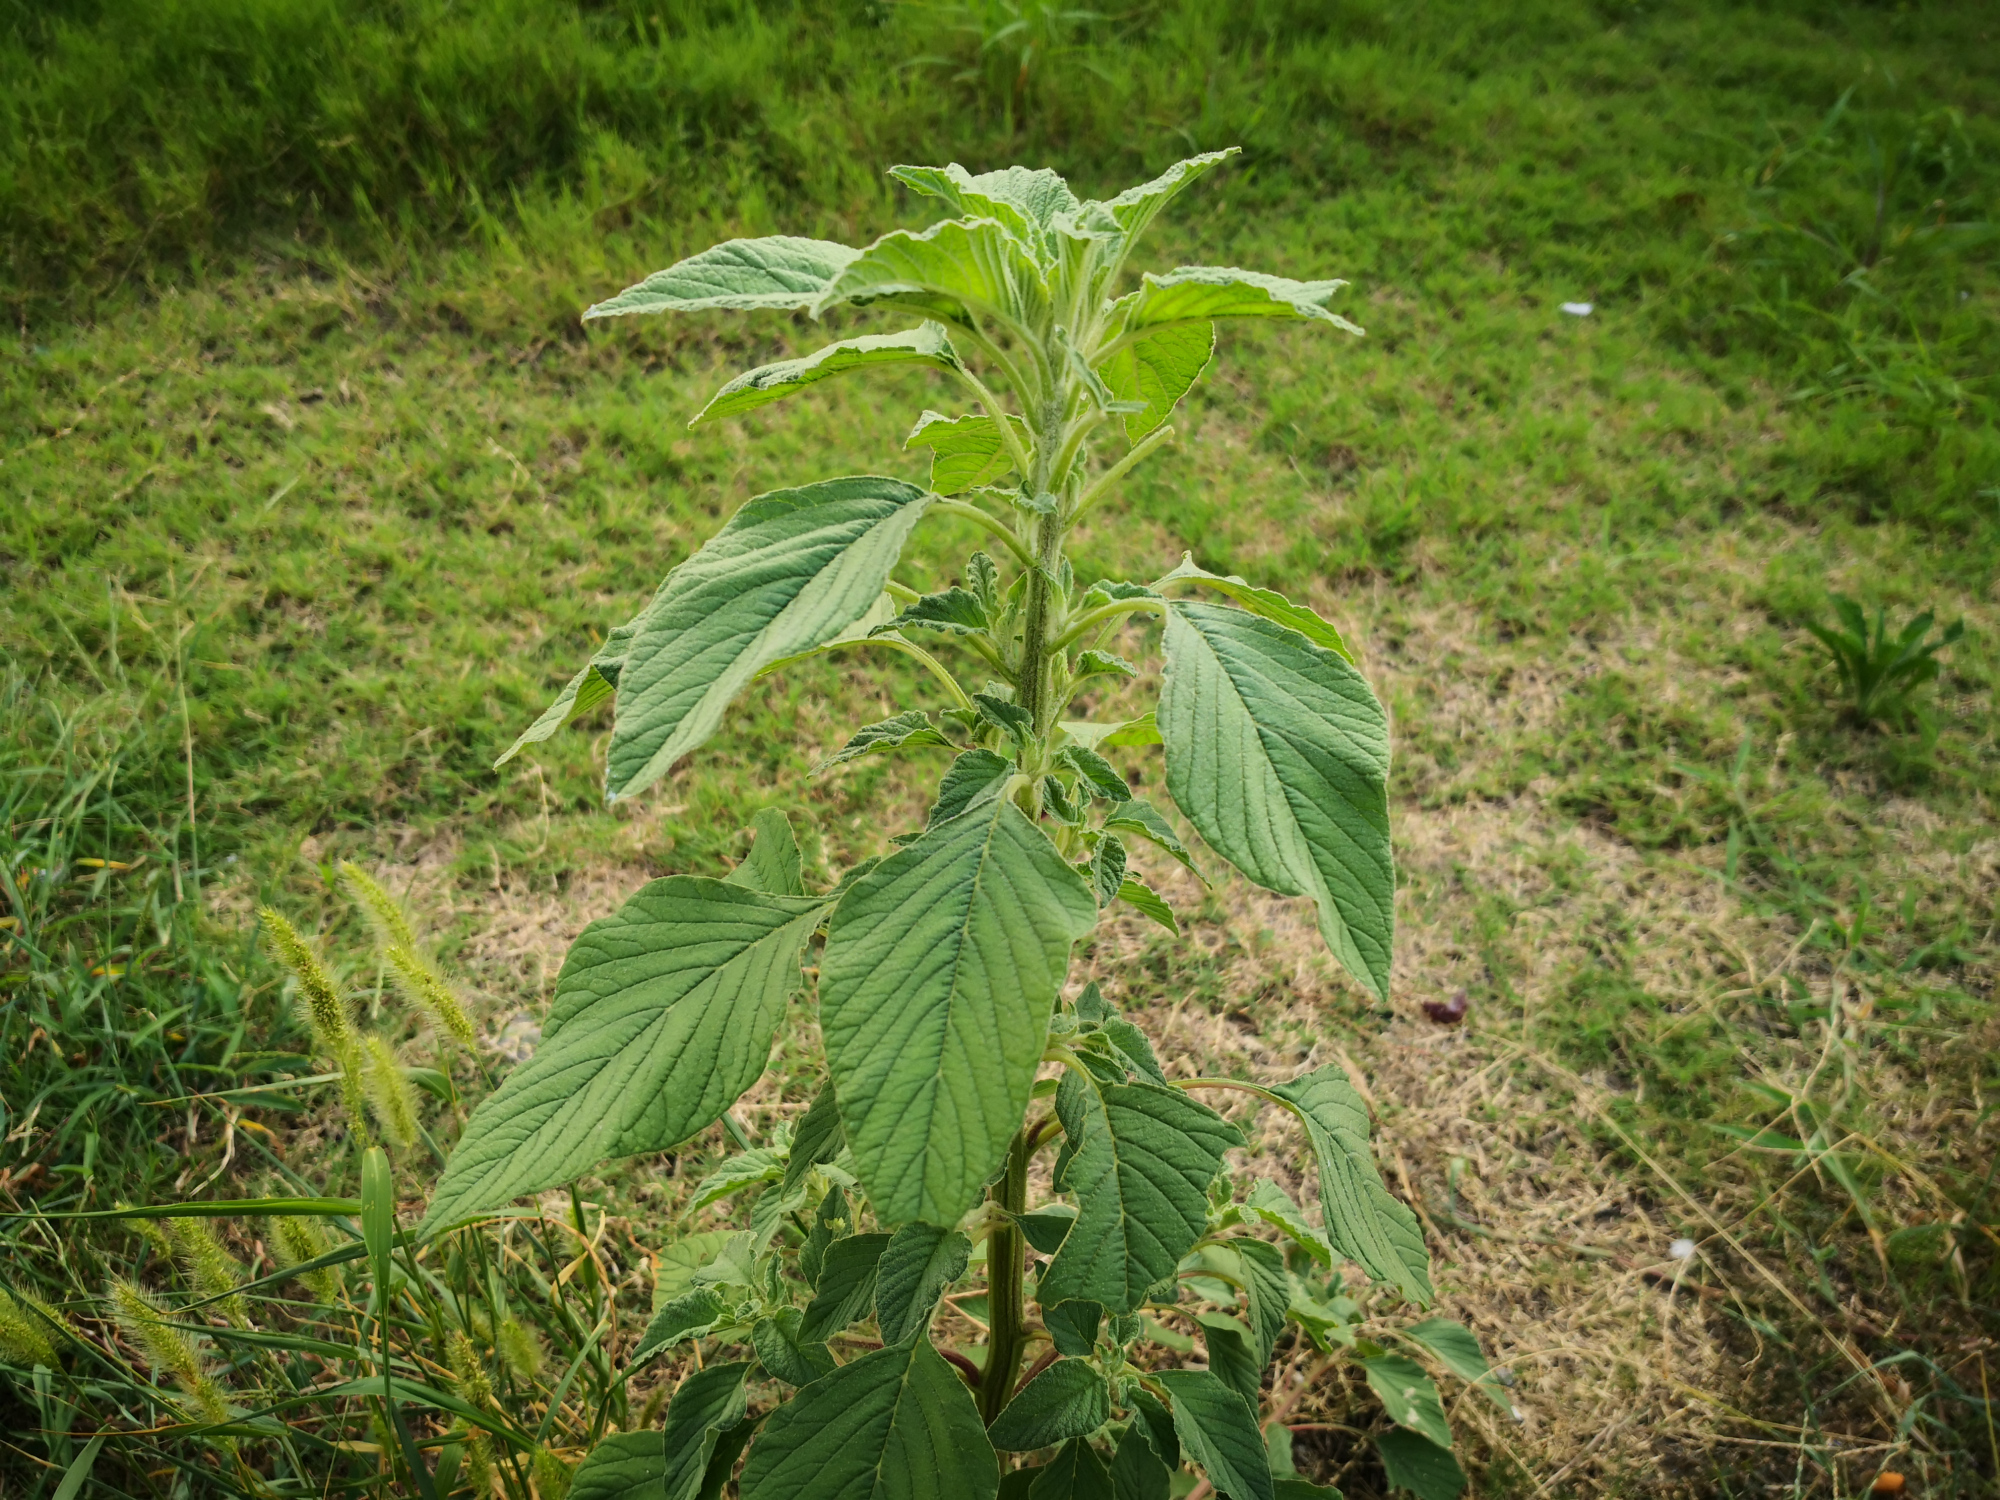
<point>1577,309</point>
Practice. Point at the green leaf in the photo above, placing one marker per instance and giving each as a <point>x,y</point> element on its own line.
<point>1279,754</point>
<point>1363,1222</point>
<point>896,1424</point>
<point>1141,817</point>
<point>1095,663</point>
<point>1045,1227</point>
<point>1106,870</point>
<point>722,1462</point>
<point>1133,1046</point>
<point>819,1138</point>
<point>1077,1472</point>
<point>1070,1399</point>
<point>735,1174</point>
<point>1274,1206</point>
<point>1269,1286</point>
<point>906,731</point>
<point>959,272</point>
<point>704,1406</point>
<point>1009,718</point>
<point>673,1271</point>
<point>833,1220</point>
<point>1144,730</point>
<point>593,685</point>
<point>1199,293</point>
<point>773,865</point>
<point>846,1287</point>
<point>788,573</point>
<point>784,1350</point>
<point>1158,1423</point>
<point>1420,1466</point>
<point>926,344</point>
<point>1230,1355</point>
<point>624,1466</point>
<point>1136,207</point>
<point>1291,1487</point>
<point>1219,1432</point>
<point>967,451</point>
<point>1408,1395</point>
<point>663,1015</point>
<point>1026,200</point>
<point>1456,1347</point>
<point>1266,603</point>
<point>77,1475</point>
<point>1136,1470</point>
<point>1158,371</point>
<point>1073,1326</point>
<point>972,779</point>
<point>778,272</point>
<point>1138,894</point>
<point>940,972</point>
<point>921,1260</point>
<point>955,610</point>
<point>1141,1161</point>
<point>688,1315</point>
<point>1099,775</point>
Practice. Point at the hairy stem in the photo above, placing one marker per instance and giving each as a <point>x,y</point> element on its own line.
<point>1005,1306</point>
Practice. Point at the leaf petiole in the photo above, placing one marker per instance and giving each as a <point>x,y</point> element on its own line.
<point>991,522</point>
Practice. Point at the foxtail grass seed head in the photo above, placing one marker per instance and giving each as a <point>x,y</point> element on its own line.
<point>429,992</point>
<point>390,1097</point>
<point>383,911</point>
<point>295,1240</point>
<point>551,1475</point>
<point>167,1349</point>
<point>519,1349</point>
<point>24,1335</point>
<point>325,1011</point>
<point>210,1269</point>
<point>467,1370</point>
<point>479,1462</point>
<point>354,1091</point>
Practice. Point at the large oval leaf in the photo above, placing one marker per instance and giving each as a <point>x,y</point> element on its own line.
<point>1199,293</point>
<point>941,968</point>
<point>1141,1159</point>
<point>1279,753</point>
<point>951,270</point>
<point>1363,1220</point>
<point>926,344</point>
<point>790,571</point>
<point>897,1424</point>
<point>662,1017</point>
<point>781,271</point>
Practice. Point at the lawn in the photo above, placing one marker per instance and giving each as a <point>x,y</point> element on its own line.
<point>316,491</point>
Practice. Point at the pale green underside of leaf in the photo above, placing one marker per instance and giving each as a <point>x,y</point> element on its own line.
<point>1278,753</point>
<point>1455,1345</point>
<point>966,452</point>
<point>591,686</point>
<point>950,270</point>
<point>896,1424</point>
<point>941,968</point>
<point>1408,1395</point>
<point>1140,1172</point>
<point>927,345</point>
<point>1025,199</point>
<point>781,271</point>
<point>1158,371</point>
<point>663,1015</point>
<point>1266,603</point>
<point>790,572</point>
<point>1363,1220</point>
<point>1202,293</point>
<point>1143,898</point>
<point>1136,207</point>
<point>1144,730</point>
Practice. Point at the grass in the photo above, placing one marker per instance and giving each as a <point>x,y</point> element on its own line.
<point>322,491</point>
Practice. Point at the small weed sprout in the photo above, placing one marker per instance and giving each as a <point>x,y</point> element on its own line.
<point>1881,672</point>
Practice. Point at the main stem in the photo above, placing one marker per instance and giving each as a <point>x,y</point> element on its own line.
<point>1006,1308</point>
<point>1048,560</point>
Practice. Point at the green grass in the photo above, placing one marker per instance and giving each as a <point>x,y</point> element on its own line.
<point>319,490</point>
